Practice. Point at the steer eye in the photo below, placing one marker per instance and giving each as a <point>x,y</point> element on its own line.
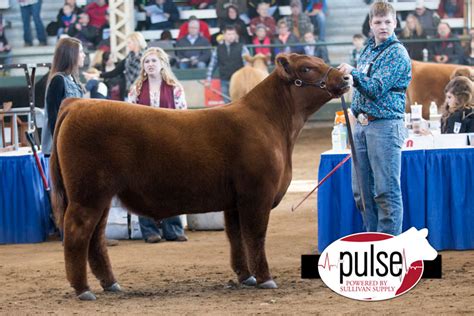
<point>305,69</point>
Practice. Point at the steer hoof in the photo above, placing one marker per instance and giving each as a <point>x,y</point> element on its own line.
<point>251,281</point>
<point>87,296</point>
<point>270,284</point>
<point>113,288</point>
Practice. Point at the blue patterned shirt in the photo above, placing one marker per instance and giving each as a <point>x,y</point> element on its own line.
<point>381,95</point>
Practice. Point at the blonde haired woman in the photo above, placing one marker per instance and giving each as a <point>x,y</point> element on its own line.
<point>130,66</point>
<point>413,31</point>
<point>158,87</point>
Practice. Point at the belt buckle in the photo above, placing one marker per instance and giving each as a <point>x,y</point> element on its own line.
<point>363,119</point>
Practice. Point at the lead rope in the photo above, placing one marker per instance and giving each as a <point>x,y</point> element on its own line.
<point>354,159</point>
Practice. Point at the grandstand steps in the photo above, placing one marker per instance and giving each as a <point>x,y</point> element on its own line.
<point>344,20</point>
<point>35,54</point>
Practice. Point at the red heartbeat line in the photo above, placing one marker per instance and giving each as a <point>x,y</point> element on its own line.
<point>327,263</point>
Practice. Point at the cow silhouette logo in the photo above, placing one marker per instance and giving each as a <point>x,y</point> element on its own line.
<point>375,266</point>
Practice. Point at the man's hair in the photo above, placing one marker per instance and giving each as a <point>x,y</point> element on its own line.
<point>230,28</point>
<point>381,8</point>
<point>358,36</point>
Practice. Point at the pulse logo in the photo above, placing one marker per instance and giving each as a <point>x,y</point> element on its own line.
<point>375,266</point>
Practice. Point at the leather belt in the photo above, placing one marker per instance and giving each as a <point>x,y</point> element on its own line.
<point>364,118</point>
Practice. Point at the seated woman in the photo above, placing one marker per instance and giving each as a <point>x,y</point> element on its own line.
<point>458,115</point>
<point>413,31</point>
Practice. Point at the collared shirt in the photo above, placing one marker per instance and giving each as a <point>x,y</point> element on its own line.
<point>192,39</point>
<point>377,95</point>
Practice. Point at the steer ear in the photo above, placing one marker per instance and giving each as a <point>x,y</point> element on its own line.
<point>283,66</point>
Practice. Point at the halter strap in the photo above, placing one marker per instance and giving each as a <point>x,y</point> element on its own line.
<point>321,83</point>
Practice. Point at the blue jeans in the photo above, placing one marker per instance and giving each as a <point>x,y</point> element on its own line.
<point>378,148</point>
<point>187,65</point>
<point>225,84</point>
<point>26,13</point>
<point>319,22</point>
<point>172,227</point>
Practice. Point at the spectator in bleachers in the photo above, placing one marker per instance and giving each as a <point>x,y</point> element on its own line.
<point>222,5</point>
<point>358,42</point>
<point>28,9</point>
<point>202,4</point>
<point>233,19</point>
<point>319,51</point>
<point>298,22</point>
<point>105,61</point>
<point>253,8</point>
<point>203,28</point>
<point>264,19</point>
<point>103,37</point>
<point>167,43</point>
<point>468,58</point>
<point>317,11</point>
<point>84,31</point>
<point>162,15</point>
<point>97,13</point>
<point>130,66</point>
<point>413,31</point>
<point>196,58</point>
<point>66,18</point>
<point>228,57</point>
<point>284,37</point>
<point>4,46</point>
<point>451,9</point>
<point>429,19</point>
<point>446,51</point>
<point>261,38</point>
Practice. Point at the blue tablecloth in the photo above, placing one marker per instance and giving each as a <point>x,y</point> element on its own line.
<point>24,207</point>
<point>438,193</point>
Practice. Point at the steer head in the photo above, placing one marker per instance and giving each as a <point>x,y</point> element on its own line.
<point>311,80</point>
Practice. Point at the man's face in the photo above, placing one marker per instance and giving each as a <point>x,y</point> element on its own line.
<point>295,10</point>
<point>309,38</point>
<point>382,27</point>
<point>358,43</point>
<point>193,28</point>
<point>443,30</point>
<point>230,36</point>
<point>262,9</point>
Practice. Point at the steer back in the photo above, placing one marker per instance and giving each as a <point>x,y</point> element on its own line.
<point>162,162</point>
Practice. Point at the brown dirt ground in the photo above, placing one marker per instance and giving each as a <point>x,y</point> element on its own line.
<point>194,277</point>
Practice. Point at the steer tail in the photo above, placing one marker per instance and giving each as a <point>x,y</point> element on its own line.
<point>58,193</point>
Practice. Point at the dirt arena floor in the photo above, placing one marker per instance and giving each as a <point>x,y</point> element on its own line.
<point>195,277</point>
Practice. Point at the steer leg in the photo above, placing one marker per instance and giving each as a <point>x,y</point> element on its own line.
<point>79,225</point>
<point>99,259</point>
<point>238,257</point>
<point>254,223</point>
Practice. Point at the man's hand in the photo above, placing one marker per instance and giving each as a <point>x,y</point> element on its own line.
<point>345,68</point>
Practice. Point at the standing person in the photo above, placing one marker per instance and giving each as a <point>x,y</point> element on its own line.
<point>63,82</point>
<point>158,87</point>
<point>380,81</point>
<point>458,108</point>
<point>130,66</point>
<point>32,8</point>
<point>229,57</point>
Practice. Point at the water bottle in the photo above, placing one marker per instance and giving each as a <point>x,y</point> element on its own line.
<point>339,137</point>
<point>433,109</point>
<point>425,54</point>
